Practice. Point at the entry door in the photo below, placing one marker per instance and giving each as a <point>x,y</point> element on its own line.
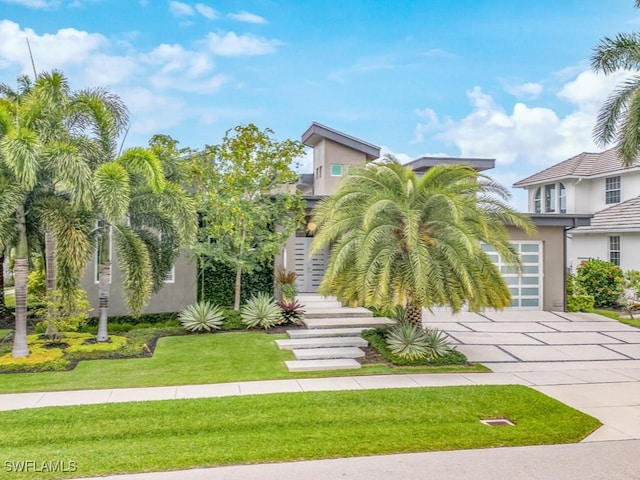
<point>309,268</point>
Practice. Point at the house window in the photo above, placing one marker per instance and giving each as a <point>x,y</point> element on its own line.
<point>562,199</point>
<point>550,198</point>
<point>171,276</point>
<point>319,172</point>
<point>336,170</point>
<point>537,201</point>
<point>614,250</point>
<point>612,190</point>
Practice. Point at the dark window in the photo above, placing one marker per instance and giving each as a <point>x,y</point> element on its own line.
<point>614,250</point>
<point>550,198</point>
<point>537,202</point>
<point>612,190</point>
<point>562,199</point>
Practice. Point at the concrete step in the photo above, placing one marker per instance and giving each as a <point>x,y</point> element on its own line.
<point>348,322</point>
<point>326,332</point>
<point>327,353</point>
<point>296,343</point>
<point>342,312</point>
<point>316,365</point>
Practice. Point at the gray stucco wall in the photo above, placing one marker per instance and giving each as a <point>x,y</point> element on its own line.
<point>173,297</point>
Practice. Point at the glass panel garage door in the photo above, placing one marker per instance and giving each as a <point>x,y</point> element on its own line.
<point>526,287</point>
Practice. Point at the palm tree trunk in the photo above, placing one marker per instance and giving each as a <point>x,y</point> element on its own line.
<point>414,314</point>
<point>50,259</point>
<point>20,271</point>
<point>104,281</point>
<point>4,313</point>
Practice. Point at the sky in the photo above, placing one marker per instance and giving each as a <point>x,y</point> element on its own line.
<point>502,79</point>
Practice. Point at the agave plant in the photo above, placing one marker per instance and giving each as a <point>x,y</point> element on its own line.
<point>407,340</point>
<point>261,311</point>
<point>437,343</point>
<point>292,311</point>
<point>201,317</point>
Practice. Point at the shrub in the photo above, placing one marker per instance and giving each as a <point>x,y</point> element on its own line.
<point>60,315</point>
<point>283,276</point>
<point>216,282</point>
<point>377,339</point>
<point>37,283</point>
<point>202,317</point>
<point>602,280</point>
<point>292,312</point>
<point>152,318</point>
<point>232,320</point>
<point>580,303</point>
<point>261,311</point>
<point>407,341</point>
<point>289,291</point>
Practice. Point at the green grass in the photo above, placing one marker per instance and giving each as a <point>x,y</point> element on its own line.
<point>4,333</point>
<point>10,300</point>
<point>191,359</point>
<point>614,316</point>
<point>178,434</point>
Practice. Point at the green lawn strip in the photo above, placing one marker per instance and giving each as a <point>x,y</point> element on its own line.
<point>191,359</point>
<point>614,316</point>
<point>178,434</point>
<point>4,333</point>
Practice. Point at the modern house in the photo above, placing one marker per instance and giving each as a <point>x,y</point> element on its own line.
<point>539,287</point>
<point>596,184</point>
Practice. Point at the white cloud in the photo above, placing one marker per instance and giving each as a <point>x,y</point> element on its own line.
<point>35,4</point>
<point>247,17</point>
<point>151,112</point>
<point>66,47</point>
<point>525,90</point>
<point>533,134</point>
<point>232,45</point>
<point>206,11</point>
<point>590,89</point>
<point>437,52</point>
<point>180,9</point>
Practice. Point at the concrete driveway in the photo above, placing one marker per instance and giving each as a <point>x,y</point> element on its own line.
<point>585,360</point>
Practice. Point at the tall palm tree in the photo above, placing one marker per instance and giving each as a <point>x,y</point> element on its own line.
<point>619,117</point>
<point>400,239</point>
<point>147,217</point>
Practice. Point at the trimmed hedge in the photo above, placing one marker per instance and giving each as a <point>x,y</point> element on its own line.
<point>216,283</point>
<point>376,337</point>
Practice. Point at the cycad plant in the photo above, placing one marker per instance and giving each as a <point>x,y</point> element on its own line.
<point>400,239</point>
<point>407,340</point>
<point>261,311</point>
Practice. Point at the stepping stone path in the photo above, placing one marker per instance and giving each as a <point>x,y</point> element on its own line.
<point>332,338</point>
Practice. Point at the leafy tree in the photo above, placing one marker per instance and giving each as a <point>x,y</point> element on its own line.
<point>400,239</point>
<point>619,118</point>
<point>247,198</point>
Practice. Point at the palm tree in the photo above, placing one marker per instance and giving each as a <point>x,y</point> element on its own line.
<point>399,239</point>
<point>619,117</point>
<point>147,217</point>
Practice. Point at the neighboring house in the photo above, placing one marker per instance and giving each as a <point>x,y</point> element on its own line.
<point>596,184</point>
<point>541,284</point>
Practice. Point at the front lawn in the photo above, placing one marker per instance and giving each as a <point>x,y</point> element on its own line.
<point>191,359</point>
<point>178,434</point>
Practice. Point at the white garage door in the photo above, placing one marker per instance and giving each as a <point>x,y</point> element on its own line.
<point>525,287</point>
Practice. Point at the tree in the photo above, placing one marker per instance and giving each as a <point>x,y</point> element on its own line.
<point>399,239</point>
<point>147,218</point>
<point>619,117</point>
<point>45,178</point>
<point>247,198</point>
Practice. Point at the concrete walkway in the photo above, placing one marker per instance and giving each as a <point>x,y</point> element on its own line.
<point>594,461</point>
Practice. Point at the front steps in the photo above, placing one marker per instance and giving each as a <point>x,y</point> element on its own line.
<point>332,339</point>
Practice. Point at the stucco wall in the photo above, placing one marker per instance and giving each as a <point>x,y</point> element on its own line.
<point>326,153</point>
<point>173,297</point>
<point>596,245</point>
<point>553,263</point>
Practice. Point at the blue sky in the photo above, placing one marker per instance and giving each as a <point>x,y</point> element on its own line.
<point>503,79</point>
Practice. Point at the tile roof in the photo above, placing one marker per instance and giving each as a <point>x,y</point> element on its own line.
<point>581,166</point>
<point>624,216</point>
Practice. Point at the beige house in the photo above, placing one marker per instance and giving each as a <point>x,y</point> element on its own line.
<point>539,287</point>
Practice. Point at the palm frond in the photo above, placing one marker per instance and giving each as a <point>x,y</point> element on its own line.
<point>133,259</point>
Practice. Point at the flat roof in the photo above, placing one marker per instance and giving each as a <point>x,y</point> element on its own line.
<point>317,132</point>
<point>423,164</point>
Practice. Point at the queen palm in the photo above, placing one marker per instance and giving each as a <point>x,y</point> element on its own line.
<point>399,239</point>
<point>619,117</point>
